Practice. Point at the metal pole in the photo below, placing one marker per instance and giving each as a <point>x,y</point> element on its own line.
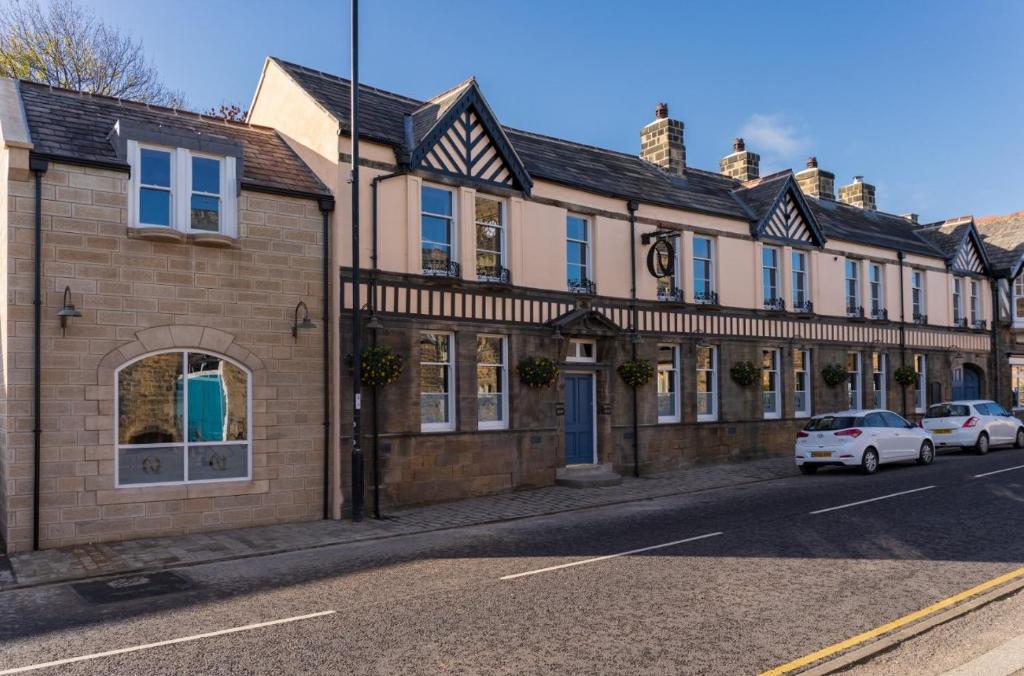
<point>903,332</point>
<point>38,167</point>
<point>357,371</point>
<point>632,206</point>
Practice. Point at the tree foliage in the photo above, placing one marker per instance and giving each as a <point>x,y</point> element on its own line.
<point>67,46</point>
<point>228,111</point>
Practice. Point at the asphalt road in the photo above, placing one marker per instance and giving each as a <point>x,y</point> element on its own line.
<point>778,581</point>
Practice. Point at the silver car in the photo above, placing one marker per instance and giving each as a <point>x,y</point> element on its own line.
<point>975,424</point>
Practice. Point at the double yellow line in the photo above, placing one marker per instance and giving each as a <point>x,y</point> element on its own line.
<point>894,625</point>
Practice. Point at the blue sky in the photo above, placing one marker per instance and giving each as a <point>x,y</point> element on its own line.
<point>924,99</point>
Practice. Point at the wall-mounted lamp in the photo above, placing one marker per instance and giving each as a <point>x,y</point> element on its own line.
<point>374,323</point>
<point>306,323</point>
<point>68,310</point>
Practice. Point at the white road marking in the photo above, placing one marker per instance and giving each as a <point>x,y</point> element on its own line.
<point>998,471</point>
<point>611,556</point>
<point>864,502</point>
<point>158,644</point>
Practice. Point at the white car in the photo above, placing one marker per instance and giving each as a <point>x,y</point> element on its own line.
<point>861,437</point>
<point>979,425</point>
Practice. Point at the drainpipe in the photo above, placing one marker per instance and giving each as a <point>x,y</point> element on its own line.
<point>38,167</point>
<point>997,393</point>
<point>357,326</point>
<point>900,256</point>
<point>373,314</point>
<point>632,206</point>
<point>326,205</point>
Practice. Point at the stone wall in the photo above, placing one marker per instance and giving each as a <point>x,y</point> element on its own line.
<point>136,297</point>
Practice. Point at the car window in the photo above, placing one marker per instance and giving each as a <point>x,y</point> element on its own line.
<point>985,409</point>
<point>947,411</point>
<point>893,420</point>
<point>874,420</point>
<point>830,422</point>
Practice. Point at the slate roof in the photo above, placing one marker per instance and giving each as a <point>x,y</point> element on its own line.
<point>946,236</point>
<point>427,115</point>
<point>614,173</point>
<point>74,126</point>
<point>1003,237</point>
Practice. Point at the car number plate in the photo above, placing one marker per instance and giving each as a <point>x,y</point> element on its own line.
<point>942,431</point>
<point>821,454</point>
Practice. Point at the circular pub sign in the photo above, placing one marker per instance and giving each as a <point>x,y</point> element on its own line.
<point>661,258</point>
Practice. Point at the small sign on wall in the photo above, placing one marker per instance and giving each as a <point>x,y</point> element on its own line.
<point>560,408</point>
<point>605,409</point>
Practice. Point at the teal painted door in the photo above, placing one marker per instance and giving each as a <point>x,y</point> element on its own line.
<point>579,419</point>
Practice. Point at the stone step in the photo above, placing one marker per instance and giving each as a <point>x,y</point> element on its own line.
<point>587,476</point>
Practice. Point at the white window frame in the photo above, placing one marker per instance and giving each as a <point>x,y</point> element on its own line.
<point>958,300</point>
<point>666,285</point>
<point>855,380</point>
<point>449,425</point>
<point>1017,292</point>
<point>975,290</point>
<point>851,264</point>
<point>577,355</point>
<point>184,444</point>
<point>917,302</point>
<point>876,287</point>
<point>801,279</point>
<point>502,229</point>
<point>587,242</point>
<point>772,273</point>
<point>503,370</point>
<point>711,287</point>
<point>921,396</point>
<point>1016,363</point>
<point>181,190</point>
<point>712,380</point>
<point>805,369</point>
<point>673,370</point>
<point>878,380</point>
<point>776,412</point>
<point>453,228</point>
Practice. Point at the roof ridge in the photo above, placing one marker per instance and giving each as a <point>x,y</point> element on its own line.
<point>761,180</point>
<point>450,90</point>
<point>149,106</point>
<point>347,82</point>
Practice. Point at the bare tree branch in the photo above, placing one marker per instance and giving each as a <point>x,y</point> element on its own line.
<point>67,46</point>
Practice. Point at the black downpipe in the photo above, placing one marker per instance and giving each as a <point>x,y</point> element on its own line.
<point>900,256</point>
<point>357,356</point>
<point>632,206</point>
<point>997,394</point>
<point>326,207</point>
<point>39,167</point>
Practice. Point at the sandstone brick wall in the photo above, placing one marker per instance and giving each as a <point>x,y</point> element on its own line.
<point>140,296</point>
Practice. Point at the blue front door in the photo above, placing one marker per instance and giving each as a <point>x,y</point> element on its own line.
<point>579,419</point>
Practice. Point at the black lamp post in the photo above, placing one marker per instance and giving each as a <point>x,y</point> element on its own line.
<point>305,323</point>
<point>69,310</point>
<point>357,349</point>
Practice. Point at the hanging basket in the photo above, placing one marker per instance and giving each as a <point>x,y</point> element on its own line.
<point>834,374</point>
<point>380,366</point>
<point>537,372</point>
<point>637,372</point>
<point>744,373</point>
<point>905,376</point>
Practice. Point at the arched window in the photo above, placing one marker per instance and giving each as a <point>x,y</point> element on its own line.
<point>182,417</point>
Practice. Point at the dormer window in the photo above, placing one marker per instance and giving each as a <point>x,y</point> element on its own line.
<point>182,190</point>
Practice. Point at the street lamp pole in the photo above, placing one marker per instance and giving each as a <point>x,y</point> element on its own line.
<point>357,371</point>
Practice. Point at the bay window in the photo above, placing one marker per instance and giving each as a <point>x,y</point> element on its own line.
<point>182,417</point>
<point>437,379</point>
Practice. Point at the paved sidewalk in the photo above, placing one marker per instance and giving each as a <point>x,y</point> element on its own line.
<point>115,558</point>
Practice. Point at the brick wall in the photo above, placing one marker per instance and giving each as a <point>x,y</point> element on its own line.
<point>139,296</point>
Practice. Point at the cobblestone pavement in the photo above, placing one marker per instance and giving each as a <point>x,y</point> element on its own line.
<point>114,558</point>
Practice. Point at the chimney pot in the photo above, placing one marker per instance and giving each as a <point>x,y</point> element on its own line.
<point>858,194</point>
<point>738,145</point>
<point>812,162</point>
<point>661,111</point>
<point>742,164</point>
<point>661,142</point>
<point>816,182</point>
<point>858,179</point>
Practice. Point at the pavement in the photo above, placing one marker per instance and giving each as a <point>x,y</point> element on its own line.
<point>117,558</point>
<point>731,580</point>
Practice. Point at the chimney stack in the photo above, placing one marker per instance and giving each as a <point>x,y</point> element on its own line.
<point>741,164</point>
<point>816,182</point>
<point>661,142</point>
<point>858,194</point>
<point>911,217</point>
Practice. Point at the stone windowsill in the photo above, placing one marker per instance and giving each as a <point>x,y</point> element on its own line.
<point>213,239</point>
<point>170,235</point>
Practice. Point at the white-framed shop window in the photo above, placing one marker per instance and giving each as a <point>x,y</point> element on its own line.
<point>921,393</point>
<point>668,384</point>
<point>801,382</point>
<point>770,384</point>
<point>707,383</point>
<point>437,382</point>
<point>878,376</point>
<point>182,190</point>
<point>182,417</point>
<point>492,382</point>
<point>582,350</point>
<point>853,379</point>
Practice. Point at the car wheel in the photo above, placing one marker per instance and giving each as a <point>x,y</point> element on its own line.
<point>981,447</point>
<point>927,454</point>
<point>1019,441</point>
<point>869,463</point>
<point>808,469</point>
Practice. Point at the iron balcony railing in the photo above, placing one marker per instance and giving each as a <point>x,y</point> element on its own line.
<point>920,318</point>
<point>441,269</point>
<point>879,313</point>
<point>583,287</point>
<point>855,311</point>
<point>774,304</point>
<point>979,324</point>
<point>495,274</point>
<point>960,322</point>
<point>806,306</point>
<point>670,294</point>
<point>706,298</point>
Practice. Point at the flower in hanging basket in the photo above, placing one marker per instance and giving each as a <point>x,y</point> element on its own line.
<point>834,374</point>
<point>537,372</point>
<point>744,373</point>
<point>905,376</point>
<point>637,372</point>
<point>380,366</point>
